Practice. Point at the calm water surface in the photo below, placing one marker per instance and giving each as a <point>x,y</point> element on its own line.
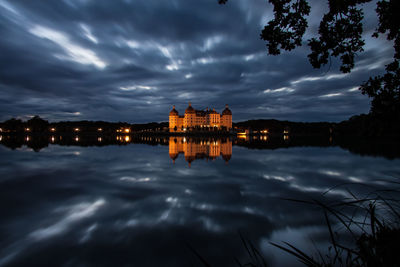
<point>142,205</point>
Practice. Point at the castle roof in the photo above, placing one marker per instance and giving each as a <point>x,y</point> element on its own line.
<point>173,111</point>
<point>190,109</point>
<point>227,111</point>
<point>213,112</point>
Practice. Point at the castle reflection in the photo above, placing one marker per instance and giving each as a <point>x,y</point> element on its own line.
<point>193,149</point>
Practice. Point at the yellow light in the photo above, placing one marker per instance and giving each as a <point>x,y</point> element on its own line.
<point>127,130</point>
<point>28,138</point>
<point>127,138</point>
<point>76,129</point>
<point>99,139</point>
<point>1,137</point>
<point>1,129</point>
<point>77,138</point>
<point>52,139</point>
<point>100,129</point>
<point>53,129</point>
<point>27,129</point>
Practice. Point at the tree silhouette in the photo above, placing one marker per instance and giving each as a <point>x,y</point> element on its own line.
<point>340,36</point>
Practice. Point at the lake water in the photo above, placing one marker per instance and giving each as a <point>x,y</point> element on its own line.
<point>136,204</point>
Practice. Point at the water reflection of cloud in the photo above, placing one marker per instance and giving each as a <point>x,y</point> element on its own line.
<point>76,213</point>
<point>307,238</point>
<point>88,233</point>
<point>135,180</point>
<point>206,204</point>
<point>278,178</point>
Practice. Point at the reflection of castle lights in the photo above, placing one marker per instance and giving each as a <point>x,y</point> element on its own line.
<point>242,136</point>
<point>199,149</point>
<point>99,139</point>
<point>53,139</point>
<point>77,138</point>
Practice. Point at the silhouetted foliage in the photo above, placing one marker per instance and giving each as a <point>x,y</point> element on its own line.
<point>37,124</point>
<point>369,224</point>
<point>340,35</point>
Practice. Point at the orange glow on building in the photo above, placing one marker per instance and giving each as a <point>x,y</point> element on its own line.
<point>193,150</point>
<point>100,129</point>
<point>199,119</point>
<point>52,129</point>
<point>127,130</point>
<point>76,129</point>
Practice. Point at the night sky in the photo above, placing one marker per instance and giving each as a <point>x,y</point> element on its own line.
<point>132,60</point>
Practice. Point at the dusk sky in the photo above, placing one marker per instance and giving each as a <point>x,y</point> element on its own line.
<point>132,60</point>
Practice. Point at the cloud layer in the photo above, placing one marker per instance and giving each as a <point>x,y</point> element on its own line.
<point>132,60</point>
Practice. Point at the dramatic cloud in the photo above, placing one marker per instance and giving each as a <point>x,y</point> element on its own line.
<point>132,60</point>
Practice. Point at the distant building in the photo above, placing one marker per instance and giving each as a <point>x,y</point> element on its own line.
<point>199,119</point>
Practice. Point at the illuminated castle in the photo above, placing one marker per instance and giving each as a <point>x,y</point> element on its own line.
<point>199,119</point>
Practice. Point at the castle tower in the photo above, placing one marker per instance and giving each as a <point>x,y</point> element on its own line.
<point>190,117</point>
<point>226,118</point>
<point>173,120</point>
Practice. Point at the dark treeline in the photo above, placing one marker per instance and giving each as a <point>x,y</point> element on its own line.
<point>39,125</point>
<point>364,125</point>
<point>278,127</point>
<point>360,125</point>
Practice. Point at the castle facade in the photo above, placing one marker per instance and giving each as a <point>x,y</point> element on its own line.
<point>199,119</point>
